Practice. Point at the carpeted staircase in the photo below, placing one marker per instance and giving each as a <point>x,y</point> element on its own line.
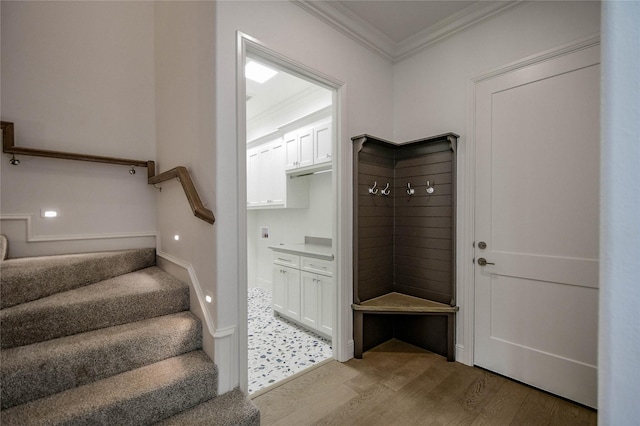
<point>105,338</point>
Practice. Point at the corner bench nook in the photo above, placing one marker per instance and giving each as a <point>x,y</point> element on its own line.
<point>397,303</point>
<point>404,243</point>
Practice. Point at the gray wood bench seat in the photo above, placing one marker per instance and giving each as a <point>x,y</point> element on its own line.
<point>402,304</point>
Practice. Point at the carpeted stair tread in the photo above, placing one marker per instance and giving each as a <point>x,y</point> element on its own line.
<point>34,371</point>
<point>138,397</point>
<point>131,297</point>
<point>231,409</point>
<point>31,278</point>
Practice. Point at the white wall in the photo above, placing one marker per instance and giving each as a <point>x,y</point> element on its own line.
<point>619,351</point>
<point>185,129</point>
<point>288,226</point>
<point>290,31</point>
<point>432,88</point>
<point>79,77</point>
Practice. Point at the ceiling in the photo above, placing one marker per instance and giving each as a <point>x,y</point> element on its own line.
<point>397,29</point>
<point>401,19</point>
<point>394,29</point>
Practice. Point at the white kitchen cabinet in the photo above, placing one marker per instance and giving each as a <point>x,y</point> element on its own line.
<point>309,301</point>
<point>323,143</point>
<point>317,302</point>
<point>267,185</point>
<point>286,284</point>
<point>309,304</point>
<point>252,178</point>
<point>265,174</point>
<point>326,302</point>
<point>308,146</point>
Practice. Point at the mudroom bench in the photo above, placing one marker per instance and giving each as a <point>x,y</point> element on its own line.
<point>404,243</point>
<point>403,304</point>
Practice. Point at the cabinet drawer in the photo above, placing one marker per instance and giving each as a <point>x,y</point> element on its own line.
<point>319,266</point>
<point>286,259</point>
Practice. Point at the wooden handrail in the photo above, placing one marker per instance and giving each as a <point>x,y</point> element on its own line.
<point>8,146</point>
<point>182,174</point>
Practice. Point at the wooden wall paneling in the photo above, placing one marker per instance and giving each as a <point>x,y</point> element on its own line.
<point>424,331</point>
<point>378,329</point>
<point>405,243</point>
<point>373,225</point>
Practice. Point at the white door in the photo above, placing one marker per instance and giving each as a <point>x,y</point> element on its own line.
<point>322,143</point>
<point>279,281</point>
<point>292,280</point>
<point>264,161</point>
<point>326,296</point>
<point>253,197</point>
<point>305,146</point>
<point>537,211</point>
<point>277,175</point>
<point>291,149</point>
<point>309,309</point>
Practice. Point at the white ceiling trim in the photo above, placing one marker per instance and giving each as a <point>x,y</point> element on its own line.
<point>454,24</point>
<point>280,106</point>
<point>356,28</point>
<point>351,25</point>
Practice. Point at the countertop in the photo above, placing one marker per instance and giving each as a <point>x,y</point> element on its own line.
<point>311,248</point>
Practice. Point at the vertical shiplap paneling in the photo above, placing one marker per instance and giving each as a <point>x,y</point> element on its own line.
<point>375,222</point>
<point>423,244</point>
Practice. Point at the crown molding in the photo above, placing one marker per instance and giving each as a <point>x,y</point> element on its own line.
<point>286,103</point>
<point>344,20</point>
<point>454,24</point>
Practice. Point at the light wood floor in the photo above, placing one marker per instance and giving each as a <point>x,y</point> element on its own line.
<point>399,384</point>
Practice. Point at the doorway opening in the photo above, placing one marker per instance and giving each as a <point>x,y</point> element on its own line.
<point>291,299</point>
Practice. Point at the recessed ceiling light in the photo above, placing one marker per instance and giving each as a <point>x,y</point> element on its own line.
<point>258,72</point>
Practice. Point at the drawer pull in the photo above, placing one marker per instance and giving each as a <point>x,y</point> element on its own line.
<point>284,260</point>
<point>311,265</point>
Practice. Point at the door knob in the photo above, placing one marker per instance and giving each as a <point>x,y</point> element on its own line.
<point>482,262</point>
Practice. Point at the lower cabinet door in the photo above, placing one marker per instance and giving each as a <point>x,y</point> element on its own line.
<point>292,280</point>
<point>279,301</point>
<point>310,300</point>
<point>326,297</point>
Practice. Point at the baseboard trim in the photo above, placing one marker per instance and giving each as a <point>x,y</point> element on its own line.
<point>460,354</point>
<point>226,358</point>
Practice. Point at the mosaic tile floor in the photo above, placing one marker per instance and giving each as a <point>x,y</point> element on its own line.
<point>278,348</point>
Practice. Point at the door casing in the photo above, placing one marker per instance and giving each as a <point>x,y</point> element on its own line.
<point>341,228</point>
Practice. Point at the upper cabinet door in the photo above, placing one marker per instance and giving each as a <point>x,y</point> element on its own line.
<point>277,176</point>
<point>252,178</point>
<point>291,151</point>
<point>305,139</point>
<point>323,145</point>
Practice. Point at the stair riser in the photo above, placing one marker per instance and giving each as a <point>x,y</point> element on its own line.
<point>36,371</point>
<point>27,279</point>
<point>27,327</point>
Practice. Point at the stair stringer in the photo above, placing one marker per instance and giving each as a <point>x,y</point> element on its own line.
<point>220,344</point>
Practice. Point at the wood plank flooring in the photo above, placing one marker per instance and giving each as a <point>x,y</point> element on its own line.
<point>400,384</point>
